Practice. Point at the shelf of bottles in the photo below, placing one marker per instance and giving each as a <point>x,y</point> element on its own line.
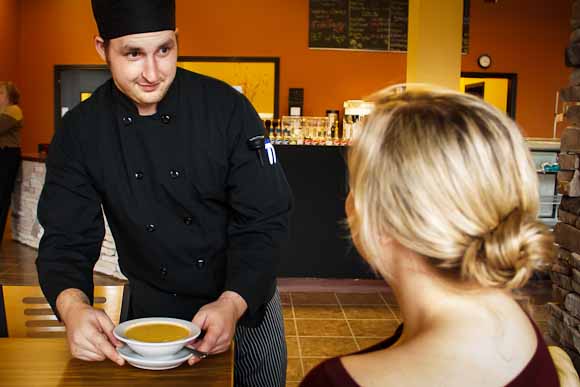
<point>311,131</point>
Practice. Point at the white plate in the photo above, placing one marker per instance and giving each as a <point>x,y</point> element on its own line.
<point>155,364</point>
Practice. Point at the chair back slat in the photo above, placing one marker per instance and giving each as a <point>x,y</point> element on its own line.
<point>28,314</point>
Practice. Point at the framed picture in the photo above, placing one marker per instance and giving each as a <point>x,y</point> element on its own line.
<point>255,77</point>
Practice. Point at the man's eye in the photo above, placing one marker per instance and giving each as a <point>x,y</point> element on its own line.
<point>164,50</point>
<point>133,54</point>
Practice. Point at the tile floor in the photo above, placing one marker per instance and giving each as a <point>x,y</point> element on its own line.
<point>325,324</point>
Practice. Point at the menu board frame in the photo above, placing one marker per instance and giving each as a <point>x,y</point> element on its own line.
<point>365,25</point>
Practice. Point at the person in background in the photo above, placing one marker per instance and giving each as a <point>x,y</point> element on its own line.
<point>177,162</point>
<point>443,205</point>
<point>10,125</point>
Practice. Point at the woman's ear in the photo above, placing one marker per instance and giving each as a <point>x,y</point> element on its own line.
<point>387,241</point>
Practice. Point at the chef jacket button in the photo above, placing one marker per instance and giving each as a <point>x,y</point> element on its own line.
<point>138,175</point>
<point>200,263</point>
<point>165,118</point>
<point>188,220</point>
<point>174,173</point>
<point>150,227</point>
<point>163,271</point>
<point>127,120</point>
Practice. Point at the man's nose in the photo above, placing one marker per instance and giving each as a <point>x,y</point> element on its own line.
<point>151,70</point>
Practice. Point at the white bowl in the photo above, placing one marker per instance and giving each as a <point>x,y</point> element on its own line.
<point>156,350</point>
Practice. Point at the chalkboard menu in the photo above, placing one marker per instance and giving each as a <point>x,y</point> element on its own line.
<point>365,24</point>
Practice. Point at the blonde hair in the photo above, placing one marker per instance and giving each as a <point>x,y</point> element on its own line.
<point>449,177</point>
<point>11,91</point>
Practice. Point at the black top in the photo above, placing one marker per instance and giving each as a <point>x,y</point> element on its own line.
<point>539,372</point>
<point>192,210</point>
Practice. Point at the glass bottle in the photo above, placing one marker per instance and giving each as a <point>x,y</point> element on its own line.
<point>276,128</point>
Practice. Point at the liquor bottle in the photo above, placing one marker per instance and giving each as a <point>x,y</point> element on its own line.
<point>276,128</point>
<point>292,139</point>
<point>267,125</point>
<point>298,126</point>
<point>349,120</point>
<point>285,136</point>
<point>332,126</point>
<point>307,130</point>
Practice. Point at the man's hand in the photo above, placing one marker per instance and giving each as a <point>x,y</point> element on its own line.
<point>219,320</point>
<point>89,330</point>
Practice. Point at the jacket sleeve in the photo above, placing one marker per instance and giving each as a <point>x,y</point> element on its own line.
<point>260,198</point>
<point>69,210</point>
<point>10,118</point>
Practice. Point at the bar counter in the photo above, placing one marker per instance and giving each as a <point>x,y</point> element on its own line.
<point>319,245</point>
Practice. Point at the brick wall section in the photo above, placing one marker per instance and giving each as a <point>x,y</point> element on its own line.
<point>564,323</point>
<point>27,230</point>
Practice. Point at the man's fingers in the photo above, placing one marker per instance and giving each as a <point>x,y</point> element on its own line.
<point>222,344</point>
<point>90,356</point>
<point>84,349</point>
<point>200,319</point>
<point>220,348</point>
<point>107,326</point>
<point>206,345</point>
<point>102,342</point>
<point>209,341</point>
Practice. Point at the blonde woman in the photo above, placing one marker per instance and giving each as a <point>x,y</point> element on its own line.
<point>443,205</point>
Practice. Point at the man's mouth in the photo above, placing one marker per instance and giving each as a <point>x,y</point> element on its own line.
<point>148,87</point>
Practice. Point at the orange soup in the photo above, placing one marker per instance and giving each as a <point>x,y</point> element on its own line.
<point>157,332</point>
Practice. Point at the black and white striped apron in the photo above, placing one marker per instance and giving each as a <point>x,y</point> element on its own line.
<point>260,353</point>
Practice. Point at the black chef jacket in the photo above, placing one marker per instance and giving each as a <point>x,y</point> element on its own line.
<point>192,210</point>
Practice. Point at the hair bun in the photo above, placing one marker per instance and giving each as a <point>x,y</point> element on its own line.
<point>507,255</point>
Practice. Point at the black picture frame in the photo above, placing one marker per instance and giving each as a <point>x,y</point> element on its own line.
<point>249,59</point>
<point>58,72</point>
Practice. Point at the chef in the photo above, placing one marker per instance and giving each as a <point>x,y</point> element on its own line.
<point>197,208</point>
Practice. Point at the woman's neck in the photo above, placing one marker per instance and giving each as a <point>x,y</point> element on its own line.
<point>426,299</point>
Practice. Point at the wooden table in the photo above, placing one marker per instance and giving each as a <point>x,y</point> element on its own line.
<point>47,362</point>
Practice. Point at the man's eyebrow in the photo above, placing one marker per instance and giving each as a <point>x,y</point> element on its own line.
<point>167,43</point>
<point>130,47</point>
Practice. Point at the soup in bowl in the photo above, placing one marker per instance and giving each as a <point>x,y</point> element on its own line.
<point>156,336</point>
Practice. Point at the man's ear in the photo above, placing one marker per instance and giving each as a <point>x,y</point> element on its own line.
<point>100,47</point>
<point>177,37</point>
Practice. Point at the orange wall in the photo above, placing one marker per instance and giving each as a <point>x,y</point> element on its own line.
<point>9,14</point>
<point>522,36</point>
<point>527,37</point>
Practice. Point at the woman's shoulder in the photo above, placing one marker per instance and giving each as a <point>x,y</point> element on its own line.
<point>455,354</point>
<point>332,372</point>
<point>14,112</point>
<point>329,373</point>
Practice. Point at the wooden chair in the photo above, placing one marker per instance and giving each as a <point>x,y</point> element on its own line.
<point>567,375</point>
<point>28,314</point>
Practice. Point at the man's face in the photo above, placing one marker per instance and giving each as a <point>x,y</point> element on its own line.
<point>143,66</point>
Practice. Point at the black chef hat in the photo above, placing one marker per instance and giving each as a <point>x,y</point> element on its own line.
<point>117,18</point>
